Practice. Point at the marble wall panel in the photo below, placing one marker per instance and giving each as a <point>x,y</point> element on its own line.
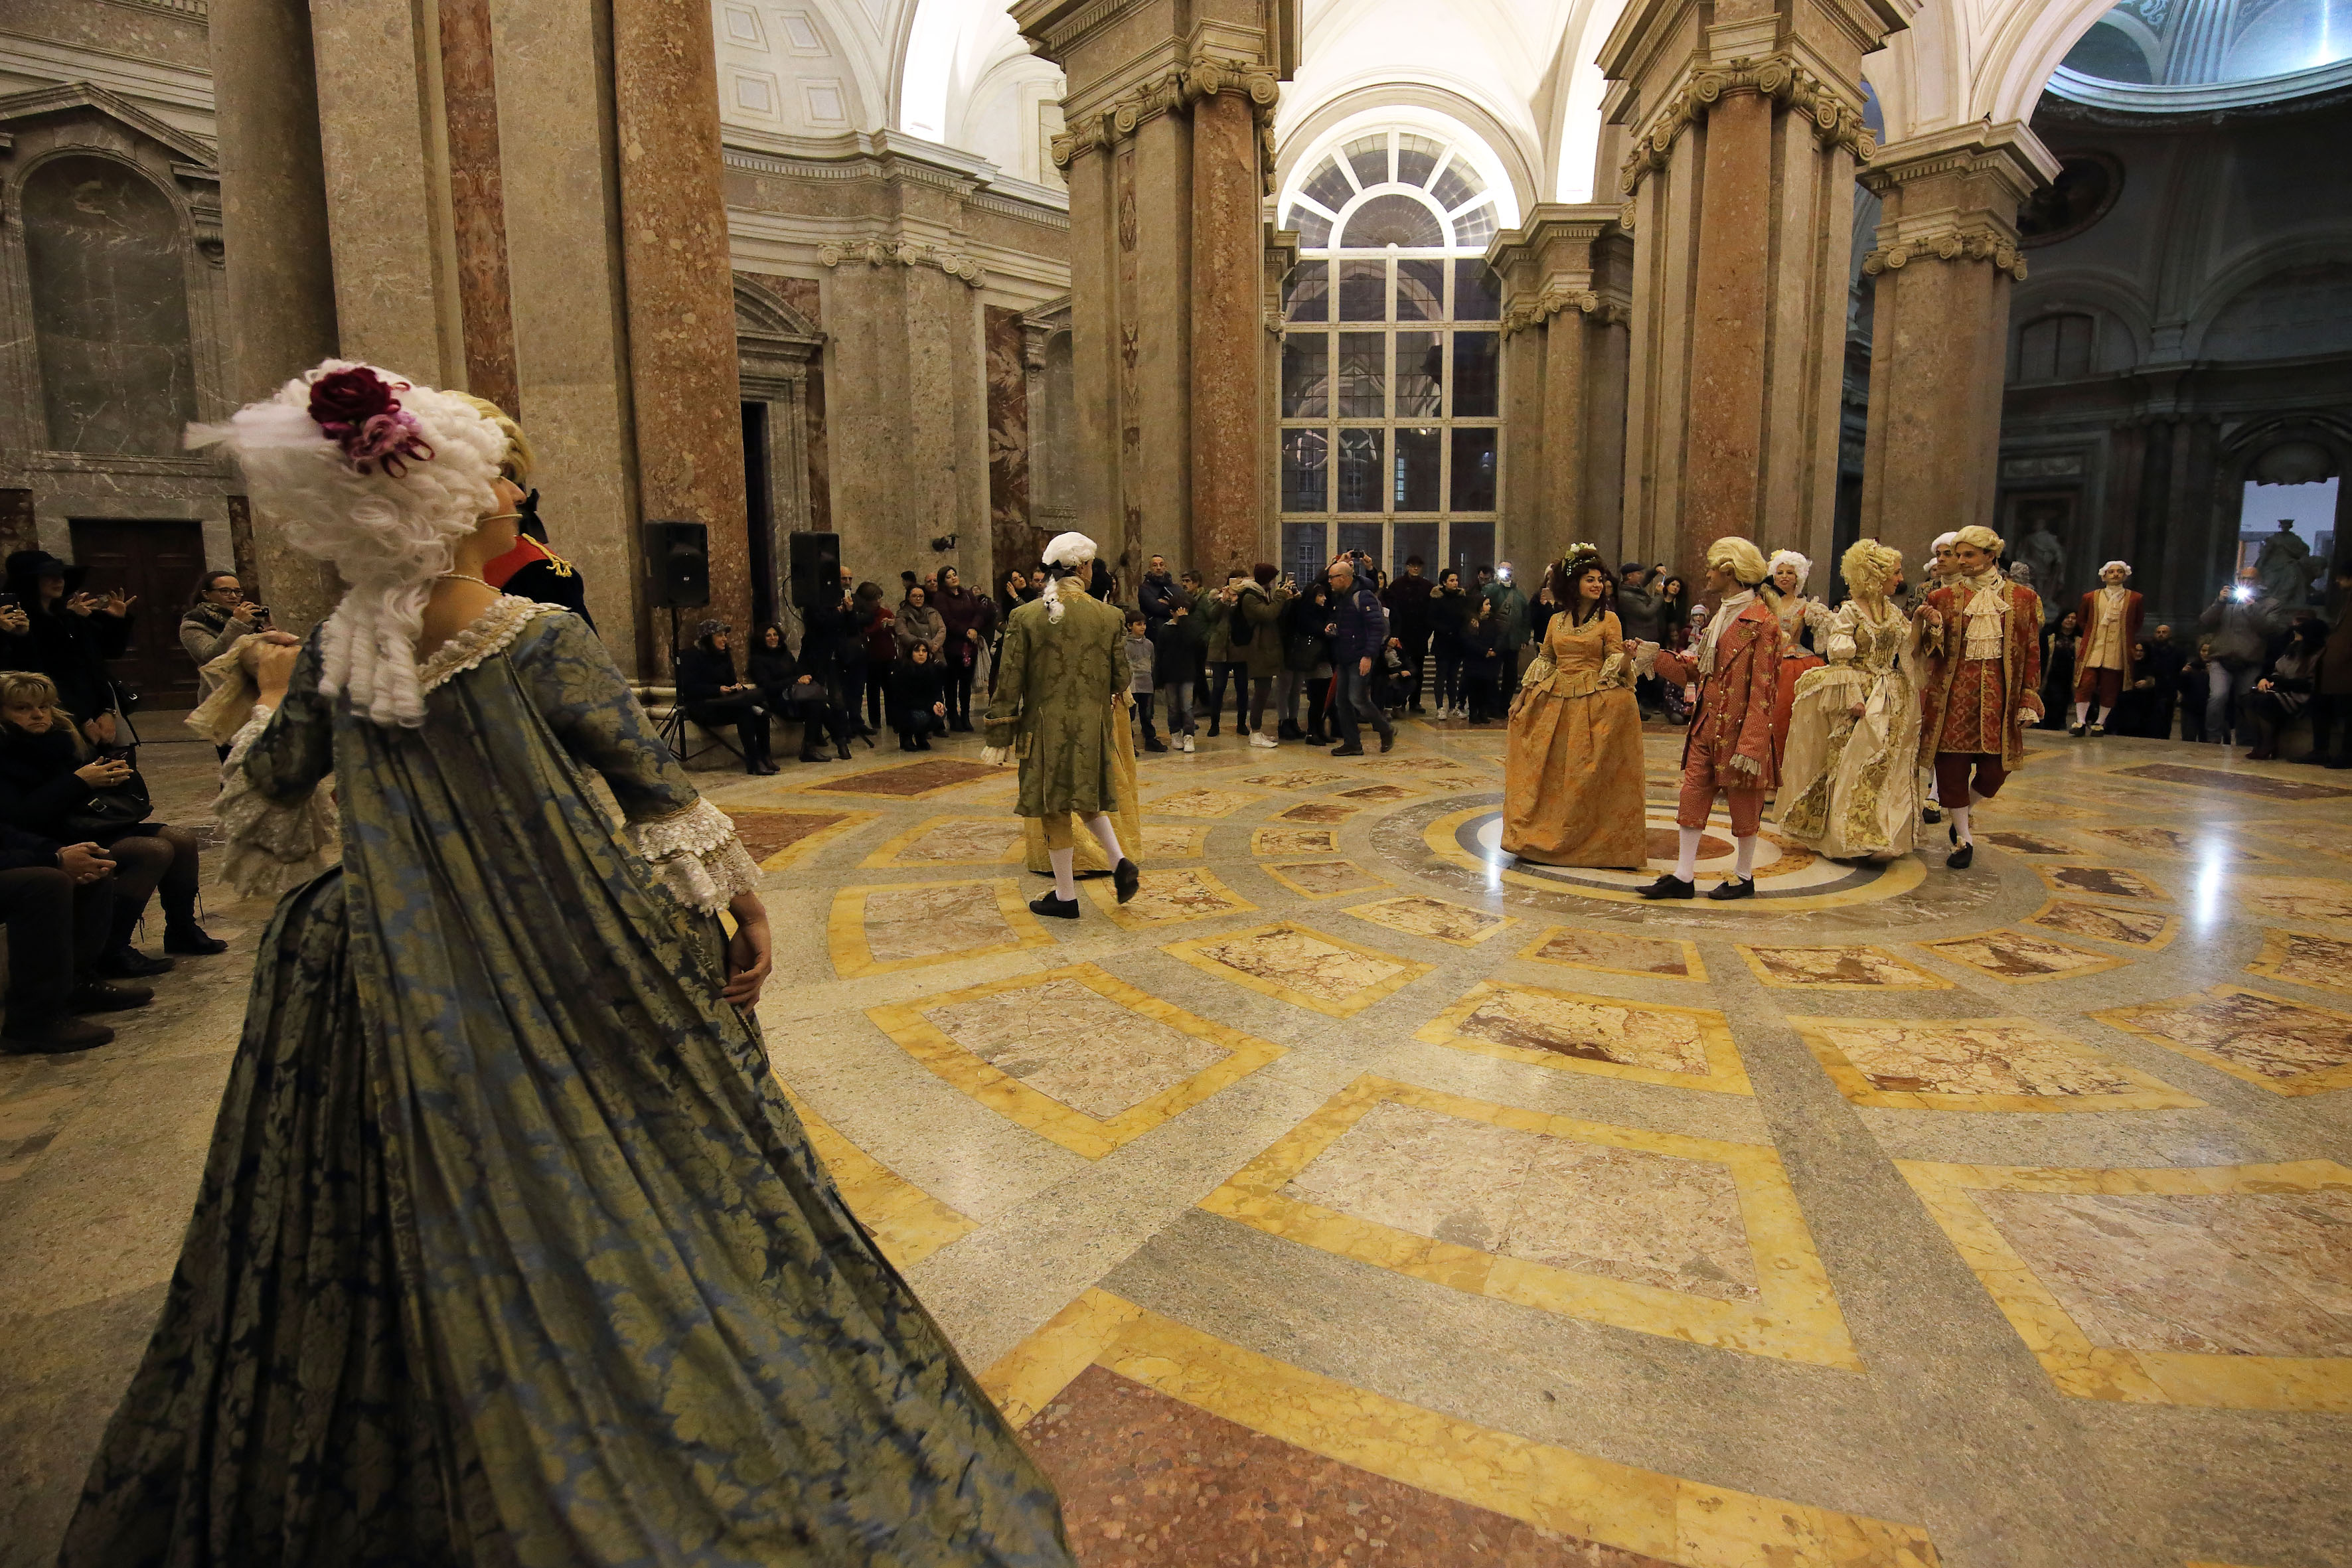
<point>1011,536</point>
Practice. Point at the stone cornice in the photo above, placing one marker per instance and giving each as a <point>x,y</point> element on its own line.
<point>1175,90</point>
<point>1835,122</point>
<point>1948,242</point>
<point>2009,153</point>
<point>70,95</point>
<point>903,253</point>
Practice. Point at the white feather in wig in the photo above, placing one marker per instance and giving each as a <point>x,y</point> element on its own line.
<point>384,501</point>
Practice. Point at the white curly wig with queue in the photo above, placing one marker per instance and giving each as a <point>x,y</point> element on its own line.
<point>379,477</point>
<point>1804,566</point>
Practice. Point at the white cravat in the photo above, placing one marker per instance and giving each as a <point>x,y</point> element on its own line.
<point>1986,606</point>
<point>1725,614</point>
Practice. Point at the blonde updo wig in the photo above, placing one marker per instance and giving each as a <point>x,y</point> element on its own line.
<point>1867,561</point>
<point>381,478</point>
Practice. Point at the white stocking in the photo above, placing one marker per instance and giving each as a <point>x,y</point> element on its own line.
<point>1686,862</point>
<point>1064,885</point>
<point>1744,866</point>
<point>2102,717</point>
<point>1960,821</point>
<point>2083,712</point>
<point>1108,836</point>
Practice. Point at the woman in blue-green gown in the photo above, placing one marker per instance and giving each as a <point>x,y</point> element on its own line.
<point>508,1249</point>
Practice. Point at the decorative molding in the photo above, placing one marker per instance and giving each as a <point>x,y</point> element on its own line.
<point>1525,315</point>
<point>1275,321</point>
<point>903,253</point>
<point>66,95</point>
<point>1176,90</point>
<point>1950,244</point>
<point>1836,122</point>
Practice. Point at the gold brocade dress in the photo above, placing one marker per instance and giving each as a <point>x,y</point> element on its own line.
<point>1572,788</point>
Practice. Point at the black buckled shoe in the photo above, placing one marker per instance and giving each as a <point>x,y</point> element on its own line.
<point>1669,887</point>
<point>1125,877</point>
<point>1961,860</point>
<point>1732,888</point>
<point>1059,908</point>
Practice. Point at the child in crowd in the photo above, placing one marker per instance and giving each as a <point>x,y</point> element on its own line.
<point>1139,655</point>
<point>1483,663</point>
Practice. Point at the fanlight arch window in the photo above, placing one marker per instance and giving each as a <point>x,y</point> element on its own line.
<point>1392,344</point>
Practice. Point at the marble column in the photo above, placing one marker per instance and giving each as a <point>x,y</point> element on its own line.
<point>1169,108</point>
<point>1565,308</point>
<point>280,279</point>
<point>679,294</point>
<point>1746,126</point>
<point>1945,261</point>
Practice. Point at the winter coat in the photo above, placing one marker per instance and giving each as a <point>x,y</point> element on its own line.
<point>1157,598</point>
<point>207,632</point>
<point>1407,599</point>
<point>2242,631</point>
<point>70,649</point>
<point>1261,610</point>
<point>1511,612</point>
<point>1450,611</point>
<point>962,610</point>
<point>1637,612</point>
<point>1140,658</point>
<point>1174,650</point>
<point>1213,615</point>
<point>39,788</point>
<point>1305,647</point>
<point>914,688</point>
<point>1479,640</point>
<point>919,624</point>
<point>704,675</point>
<point>1363,626</point>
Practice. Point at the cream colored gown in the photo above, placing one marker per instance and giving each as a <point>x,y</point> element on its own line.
<point>1849,788</point>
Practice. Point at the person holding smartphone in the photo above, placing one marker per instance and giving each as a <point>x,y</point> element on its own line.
<point>67,634</point>
<point>219,615</point>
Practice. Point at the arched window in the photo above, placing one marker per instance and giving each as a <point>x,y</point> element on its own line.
<point>1390,405</point>
<point>105,254</point>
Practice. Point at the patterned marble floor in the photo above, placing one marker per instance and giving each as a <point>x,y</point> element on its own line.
<point>1358,1195</point>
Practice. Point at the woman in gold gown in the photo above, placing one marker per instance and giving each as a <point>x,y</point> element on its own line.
<point>1572,790</point>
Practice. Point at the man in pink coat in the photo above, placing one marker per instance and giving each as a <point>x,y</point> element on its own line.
<point>1729,747</point>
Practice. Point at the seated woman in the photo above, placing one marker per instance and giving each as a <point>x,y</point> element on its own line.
<point>790,693</point>
<point>48,777</point>
<point>1572,788</point>
<point>918,707</point>
<point>715,699</point>
<point>2282,694</point>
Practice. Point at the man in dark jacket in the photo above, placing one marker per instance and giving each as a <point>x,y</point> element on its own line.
<point>1408,603</point>
<point>1159,593</point>
<point>1359,631</point>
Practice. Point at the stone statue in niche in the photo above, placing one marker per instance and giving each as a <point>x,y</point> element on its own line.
<point>2041,549</point>
<point>106,259</point>
<point>2286,566</point>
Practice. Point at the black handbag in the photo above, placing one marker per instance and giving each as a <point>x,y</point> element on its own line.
<point>108,811</point>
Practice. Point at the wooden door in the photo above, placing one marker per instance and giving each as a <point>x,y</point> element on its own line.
<point>159,562</point>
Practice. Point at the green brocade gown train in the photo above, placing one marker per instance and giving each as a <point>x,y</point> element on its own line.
<point>508,1249</point>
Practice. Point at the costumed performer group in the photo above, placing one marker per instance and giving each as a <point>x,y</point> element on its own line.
<point>509,1249</point>
<point>1852,737</point>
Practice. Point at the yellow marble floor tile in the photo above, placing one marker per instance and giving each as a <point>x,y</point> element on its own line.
<point>1305,967</point>
<point>1417,915</point>
<point>1787,1310</point>
<point>1173,841</point>
<point>949,841</point>
<point>1167,897</point>
<point>1387,793</point>
<point>798,833</point>
<point>1292,780</point>
<point>1617,953</point>
<point>2018,841</point>
<point>2145,930</point>
<point>2173,842</point>
<point>2099,881</point>
<point>1128,1060</point>
<point>1849,968</point>
<point>1202,802</point>
<point>2295,898</point>
<point>2107,1274</point>
<point>1326,811</point>
<point>1646,1042</point>
<point>1295,841</point>
<point>880,928</point>
<point>1578,1496</point>
<point>1323,878</point>
<point>2019,958</point>
<point>906,1222</point>
<point>1976,1064</point>
<point>2305,958</point>
<point>2286,1046</point>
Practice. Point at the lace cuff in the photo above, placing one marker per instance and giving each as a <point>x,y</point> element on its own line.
<point>1540,669</point>
<point>271,847</point>
<point>1645,663</point>
<point>695,855</point>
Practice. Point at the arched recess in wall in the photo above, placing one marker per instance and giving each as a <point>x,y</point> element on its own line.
<point>797,69</point>
<point>2282,301</point>
<point>1463,122</point>
<point>778,356</point>
<point>1960,61</point>
<point>2289,449</point>
<point>953,65</point>
<point>106,256</point>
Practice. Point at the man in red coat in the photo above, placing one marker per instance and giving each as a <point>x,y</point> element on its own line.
<point>1729,746</point>
<point>2110,619</point>
<point>1983,685</point>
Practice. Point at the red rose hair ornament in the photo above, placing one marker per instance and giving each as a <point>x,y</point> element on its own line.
<point>356,409</point>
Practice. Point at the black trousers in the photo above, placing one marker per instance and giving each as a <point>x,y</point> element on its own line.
<point>2329,709</point>
<point>743,709</point>
<point>817,716</point>
<point>959,695</point>
<point>56,931</point>
<point>1238,673</point>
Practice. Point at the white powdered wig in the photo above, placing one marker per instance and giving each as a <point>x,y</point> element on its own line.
<point>2113,564</point>
<point>1074,552</point>
<point>382,488</point>
<point>1804,567</point>
<point>1942,540</point>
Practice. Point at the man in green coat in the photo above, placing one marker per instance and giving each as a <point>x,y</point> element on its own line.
<point>1060,675</point>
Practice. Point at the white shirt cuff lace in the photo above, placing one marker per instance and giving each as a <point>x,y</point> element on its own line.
<point>271,849</point>
<point>695,855</point>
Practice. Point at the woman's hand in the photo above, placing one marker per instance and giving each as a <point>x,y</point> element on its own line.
<point>84,862</point>
<point>750,954</point>
<point>101,730</point>
<point>14,621</point>
<point>103,774</point>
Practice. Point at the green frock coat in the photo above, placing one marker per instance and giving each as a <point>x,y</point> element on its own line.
<point>1053,682</point>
